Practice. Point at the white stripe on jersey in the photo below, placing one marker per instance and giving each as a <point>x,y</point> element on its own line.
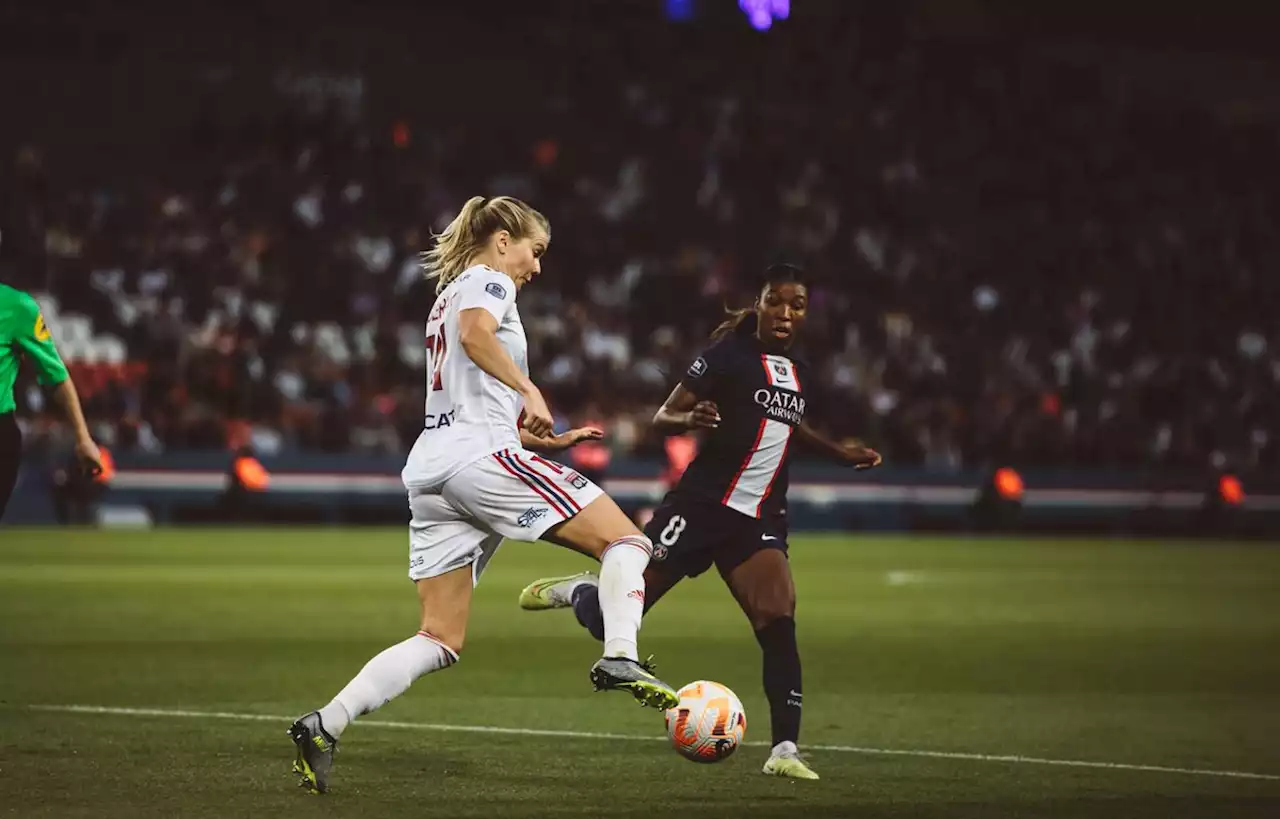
<point>755,478</point>
<point>754,481</point>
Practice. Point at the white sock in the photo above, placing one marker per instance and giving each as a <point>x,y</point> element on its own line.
<point>384,678</point>
<point>785,748</point>
<point>622,593</point>
<point>579,583</point>
<point>564,591</point>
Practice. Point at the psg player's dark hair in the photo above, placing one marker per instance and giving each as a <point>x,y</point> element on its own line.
<point>744,319</point>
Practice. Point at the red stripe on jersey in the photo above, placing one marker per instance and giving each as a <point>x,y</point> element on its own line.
<point>768,373</point>
<point>747,460</point>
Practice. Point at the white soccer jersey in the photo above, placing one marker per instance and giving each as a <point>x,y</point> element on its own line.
<point>469,413</point>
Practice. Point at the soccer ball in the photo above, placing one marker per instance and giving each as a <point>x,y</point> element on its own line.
<point>708,724</point>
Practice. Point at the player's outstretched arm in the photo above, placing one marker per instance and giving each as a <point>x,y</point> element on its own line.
<point>682,411</point>
<point>37,344</point>
<point>852,454</point>
<point>558,443</point>
<point>478,333</point>
<point>86,450</point>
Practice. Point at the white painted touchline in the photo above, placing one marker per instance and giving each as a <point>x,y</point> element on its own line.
<point>542,732</point>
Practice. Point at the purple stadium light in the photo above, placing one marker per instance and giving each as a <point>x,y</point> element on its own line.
<point>680,10</point>
<point>762,13</point>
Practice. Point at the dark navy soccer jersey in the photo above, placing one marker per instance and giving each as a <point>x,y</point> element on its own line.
<point>744,463</point>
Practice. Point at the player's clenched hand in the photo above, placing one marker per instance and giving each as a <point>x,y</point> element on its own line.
<point>704,415</point>
<point>89,457</point>
<point>537,416</point>
<point>861,457</point>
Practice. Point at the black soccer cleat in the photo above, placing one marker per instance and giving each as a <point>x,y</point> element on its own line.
<point>315,752</point>
<point>621,673</point>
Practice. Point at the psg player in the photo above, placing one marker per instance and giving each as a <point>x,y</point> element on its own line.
<point>746,393</point>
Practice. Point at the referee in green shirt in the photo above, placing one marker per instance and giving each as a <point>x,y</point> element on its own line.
<point>22,331</point>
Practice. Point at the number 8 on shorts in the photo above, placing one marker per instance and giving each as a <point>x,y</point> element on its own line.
<point>671,534</point>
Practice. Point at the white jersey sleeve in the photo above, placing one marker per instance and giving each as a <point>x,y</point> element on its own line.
<point>469,413</point>
<point>489,290</point>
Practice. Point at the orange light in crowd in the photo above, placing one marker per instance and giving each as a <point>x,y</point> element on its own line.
<point>1230,490</point>
<point>1008,483</point>
<point>252,475</point>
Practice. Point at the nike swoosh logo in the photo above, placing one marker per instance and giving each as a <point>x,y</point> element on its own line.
<point>767,537</point>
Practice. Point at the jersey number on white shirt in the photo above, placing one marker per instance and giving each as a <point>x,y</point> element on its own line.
<point>436,347</point>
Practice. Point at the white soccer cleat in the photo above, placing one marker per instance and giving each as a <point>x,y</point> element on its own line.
<point>785,761</point>
<point>554,592</point>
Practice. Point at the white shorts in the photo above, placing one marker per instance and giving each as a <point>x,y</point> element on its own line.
<point>509,494</point>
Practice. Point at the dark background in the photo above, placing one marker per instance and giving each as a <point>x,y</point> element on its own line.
<point>1044,234</point>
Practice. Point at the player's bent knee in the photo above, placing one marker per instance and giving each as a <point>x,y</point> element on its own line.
<point>768,631</point>
<point>768,612</point>
<point>760,622</point>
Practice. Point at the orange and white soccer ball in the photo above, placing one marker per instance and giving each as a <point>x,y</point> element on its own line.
<point>708,724</point>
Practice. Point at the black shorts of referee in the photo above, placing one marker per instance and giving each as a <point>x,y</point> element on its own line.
<point>10,455</point>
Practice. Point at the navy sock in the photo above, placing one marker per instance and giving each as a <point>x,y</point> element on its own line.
<point>586,605</point>
<point>782,677</point>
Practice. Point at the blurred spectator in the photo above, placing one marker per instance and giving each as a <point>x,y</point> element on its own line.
<point>1019,264</point>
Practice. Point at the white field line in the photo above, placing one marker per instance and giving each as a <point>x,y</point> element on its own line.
<point>904,578</point>
<point>1015,759</point>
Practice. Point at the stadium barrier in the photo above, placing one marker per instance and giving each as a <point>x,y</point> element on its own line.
<point>193,487</point>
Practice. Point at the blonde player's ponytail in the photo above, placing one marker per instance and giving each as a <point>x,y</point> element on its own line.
<point>470,230</point>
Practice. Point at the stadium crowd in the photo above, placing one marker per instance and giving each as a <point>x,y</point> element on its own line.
<point>1017,263</point>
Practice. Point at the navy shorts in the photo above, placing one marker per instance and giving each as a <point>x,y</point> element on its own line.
<point>690,535</point>
<point>10,456</point>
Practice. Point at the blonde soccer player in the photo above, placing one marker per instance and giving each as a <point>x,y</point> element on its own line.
<point>473,478</point>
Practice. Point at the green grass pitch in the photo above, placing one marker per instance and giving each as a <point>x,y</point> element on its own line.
<point>1149,655</point>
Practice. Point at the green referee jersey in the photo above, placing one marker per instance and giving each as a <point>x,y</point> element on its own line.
<point>22,331</point>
